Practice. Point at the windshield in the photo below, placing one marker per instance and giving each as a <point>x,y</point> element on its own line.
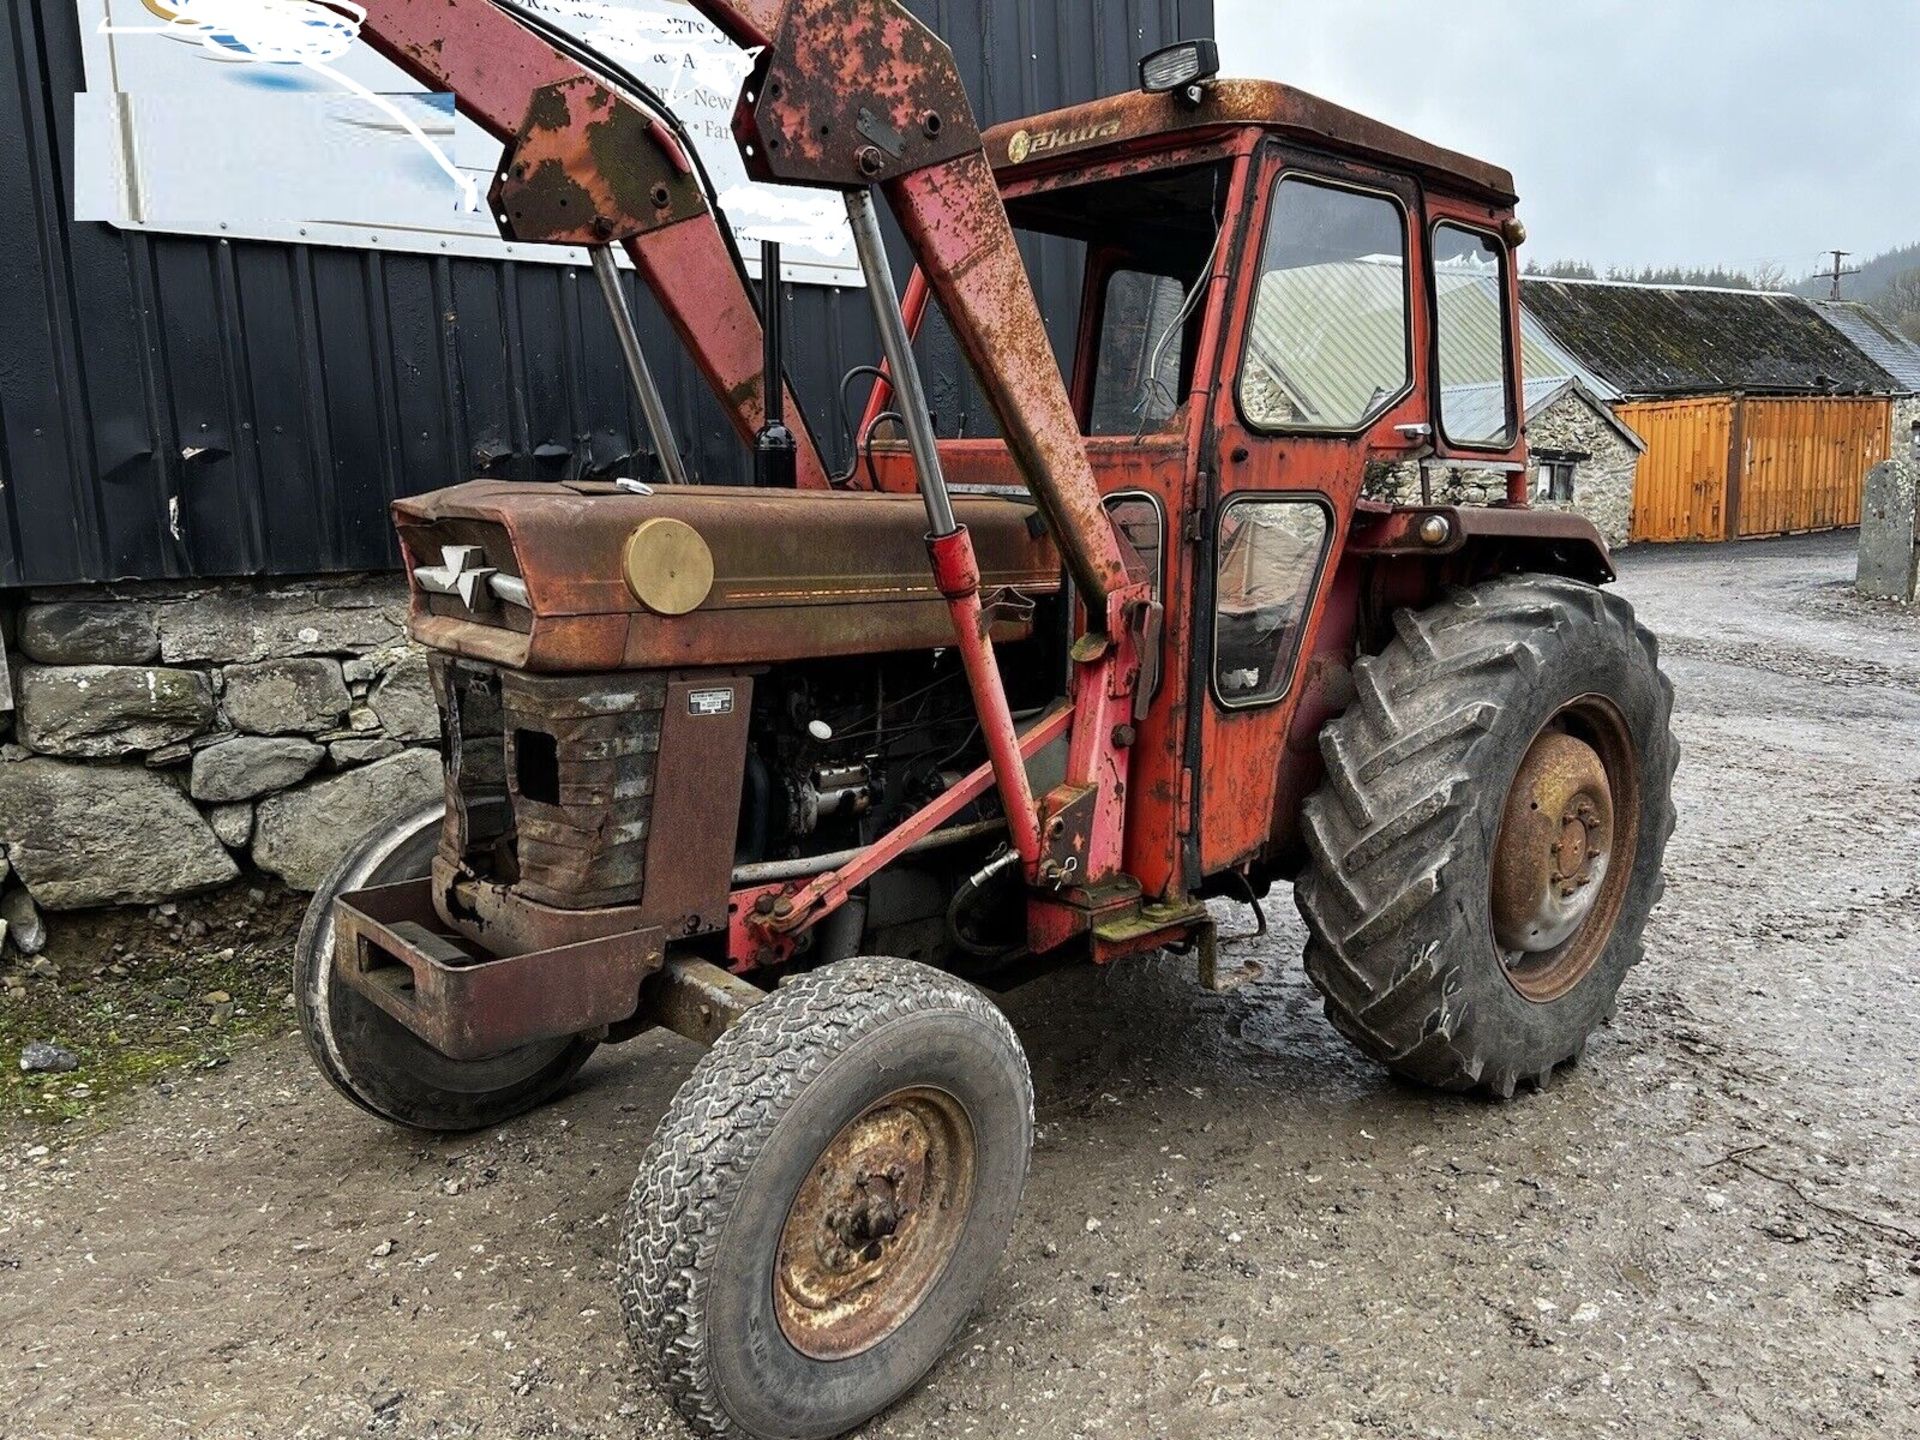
<point>1145,240</point>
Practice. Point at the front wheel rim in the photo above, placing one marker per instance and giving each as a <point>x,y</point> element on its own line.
<point>875,1223</point>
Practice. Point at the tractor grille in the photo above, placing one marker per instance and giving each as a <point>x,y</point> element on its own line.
<point>550,779</point>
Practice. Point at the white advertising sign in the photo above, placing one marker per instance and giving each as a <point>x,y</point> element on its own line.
<point>274,120</point>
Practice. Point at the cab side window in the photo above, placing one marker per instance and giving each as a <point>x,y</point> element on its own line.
<point>1268,556</point>
<point>1470,326</point>
<point>1330,346</point>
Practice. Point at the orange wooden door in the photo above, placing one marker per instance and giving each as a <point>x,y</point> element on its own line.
<point>1680,490</point>
<point>1803,461</point>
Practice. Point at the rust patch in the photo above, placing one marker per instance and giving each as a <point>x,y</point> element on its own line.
<point>882,99</point>
<point>549,110</point>
<point>589,169</point>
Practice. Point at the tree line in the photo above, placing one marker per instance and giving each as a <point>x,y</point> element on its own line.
<point>1714,277</point>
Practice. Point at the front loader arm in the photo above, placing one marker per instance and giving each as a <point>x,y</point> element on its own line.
<point>850,95</point>
<point>853,93</point>
<point>586,167</point>
<point>846,94</point>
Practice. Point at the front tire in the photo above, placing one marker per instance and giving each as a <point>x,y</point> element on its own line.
<point>374,1060</point>
<point>826,1200</point>
<point>1489,839</point>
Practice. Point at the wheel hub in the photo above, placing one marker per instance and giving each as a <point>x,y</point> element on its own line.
<point>874,1224</point>
<point>1550,865</point>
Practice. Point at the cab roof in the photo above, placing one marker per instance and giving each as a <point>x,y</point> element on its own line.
<point>1120,123</point>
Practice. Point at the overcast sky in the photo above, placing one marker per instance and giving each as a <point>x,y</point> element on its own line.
<point>1655,132</point>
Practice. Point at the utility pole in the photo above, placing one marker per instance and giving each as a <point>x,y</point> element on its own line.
<point>1838,274</point>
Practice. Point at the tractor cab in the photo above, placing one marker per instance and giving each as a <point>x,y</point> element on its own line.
<point>1297,349</point>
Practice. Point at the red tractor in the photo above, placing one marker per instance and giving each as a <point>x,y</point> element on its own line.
<point>1191,621</point>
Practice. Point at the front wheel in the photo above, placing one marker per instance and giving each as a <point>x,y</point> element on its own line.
<point>374,1060</point>
<point>1489,839</point>
<point>825,1201</point>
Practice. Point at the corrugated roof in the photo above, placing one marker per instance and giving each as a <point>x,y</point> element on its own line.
<point>1884,345</point>
<point>1481,408</point>
<point>1333,335</point>
<point>1679,340</point>
<point>1544,357</point>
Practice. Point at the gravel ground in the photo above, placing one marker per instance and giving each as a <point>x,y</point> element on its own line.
<point>1235,1227</point>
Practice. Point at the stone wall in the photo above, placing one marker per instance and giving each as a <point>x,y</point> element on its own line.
<point>1603,483</point>
<point>161,740</point>
<point>1906,415</point>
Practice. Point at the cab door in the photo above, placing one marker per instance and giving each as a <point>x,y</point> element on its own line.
<point>1324,381</point>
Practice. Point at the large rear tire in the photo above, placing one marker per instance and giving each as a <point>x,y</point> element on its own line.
<point>374,1060</point>
<point>826,1200</point>
<point>1489,838</point>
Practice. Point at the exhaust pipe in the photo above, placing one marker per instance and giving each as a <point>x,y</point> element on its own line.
<point>776,454</point>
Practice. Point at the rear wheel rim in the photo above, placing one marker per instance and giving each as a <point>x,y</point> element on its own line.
<point>872,1228</point>
<point>1565,849</point>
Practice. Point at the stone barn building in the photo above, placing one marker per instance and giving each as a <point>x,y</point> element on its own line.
<point>1759,416</point>
<point>1584,457</point>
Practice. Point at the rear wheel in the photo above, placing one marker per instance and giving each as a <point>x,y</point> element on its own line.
<point>373,1059</point>
<point>1489,838</point>
<point>826,1199</point>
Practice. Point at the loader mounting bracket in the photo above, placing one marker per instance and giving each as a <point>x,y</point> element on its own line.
<point>588,168</point>
<point>884,99</point>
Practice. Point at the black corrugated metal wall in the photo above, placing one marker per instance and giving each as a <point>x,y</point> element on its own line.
<point>176,407</point>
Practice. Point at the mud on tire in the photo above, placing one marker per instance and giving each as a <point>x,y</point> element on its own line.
<point>1402,833</point>
<point>710,1220</point>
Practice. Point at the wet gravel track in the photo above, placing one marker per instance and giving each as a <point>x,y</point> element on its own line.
<point>1236,1227</point>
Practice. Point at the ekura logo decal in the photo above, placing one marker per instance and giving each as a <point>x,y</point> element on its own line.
<point>1027,143</point>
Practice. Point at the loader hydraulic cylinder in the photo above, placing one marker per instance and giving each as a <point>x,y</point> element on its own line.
<point>955,569</point>
<point>904,368</point>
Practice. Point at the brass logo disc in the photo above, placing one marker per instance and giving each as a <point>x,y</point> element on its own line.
<point>669,567</point>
